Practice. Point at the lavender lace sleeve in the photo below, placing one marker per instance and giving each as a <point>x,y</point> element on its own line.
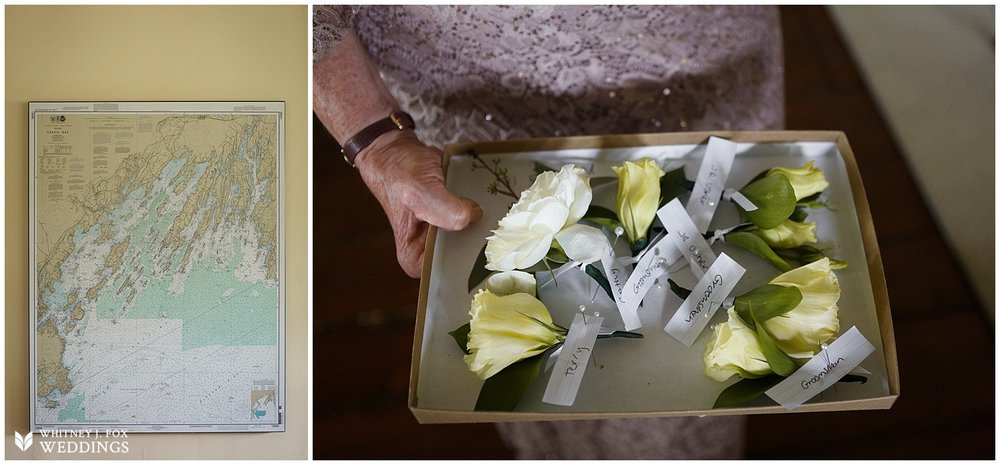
<point>330,23</point>
<point>512,71</point>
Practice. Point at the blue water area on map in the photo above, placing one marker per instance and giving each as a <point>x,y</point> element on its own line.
<point>247,316</point>
<point>260,413</point>
<point>73,410</point>
<point>216,308</point>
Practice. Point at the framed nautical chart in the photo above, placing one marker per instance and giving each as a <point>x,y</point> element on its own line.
<point>157,266</point>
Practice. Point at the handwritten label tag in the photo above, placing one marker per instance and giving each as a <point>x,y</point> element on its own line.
<point>823,370</point>
<point>617,274</point>
<point>706,297</point>
<point>686,236</point>
<point>572,362</point>
<point>653,264</point>
<point>711,181</point>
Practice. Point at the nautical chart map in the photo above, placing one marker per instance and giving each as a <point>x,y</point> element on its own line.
<point>157,278</point>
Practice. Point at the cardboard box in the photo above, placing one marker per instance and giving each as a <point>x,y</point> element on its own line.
<point>655,376</point>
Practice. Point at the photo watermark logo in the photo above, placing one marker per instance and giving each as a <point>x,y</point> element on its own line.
<point>76,441</point>
<point>22,442</point>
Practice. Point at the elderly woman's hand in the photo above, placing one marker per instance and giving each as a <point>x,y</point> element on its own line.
<point>406,178</point>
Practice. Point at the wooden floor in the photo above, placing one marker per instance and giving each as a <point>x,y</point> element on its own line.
<point>363,331</point>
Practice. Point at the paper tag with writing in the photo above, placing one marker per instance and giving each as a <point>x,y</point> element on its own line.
<point>706,297</point>
<point>617,274</point>
<point>686,236</point>
<point>711,181</point>
<point>823,370</point>
<point>653,264</point>
<point>572,361</point>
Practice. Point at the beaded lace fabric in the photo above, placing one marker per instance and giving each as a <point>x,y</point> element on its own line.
<point>470,73</point>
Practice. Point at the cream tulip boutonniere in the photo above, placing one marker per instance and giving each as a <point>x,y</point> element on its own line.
<point>772,330</point>
<point>806,181</point>
<point>638,197</point>
<point>506,329</point>
<point>507,336</point>
<point>777,230</point>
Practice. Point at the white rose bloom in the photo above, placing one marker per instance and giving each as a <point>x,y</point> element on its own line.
<point>553,202</point>
<point>584,244</point>
<point>570,185</point>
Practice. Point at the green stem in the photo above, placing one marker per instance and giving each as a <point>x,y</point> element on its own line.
<point>623,334</point>
<point>501,179</point>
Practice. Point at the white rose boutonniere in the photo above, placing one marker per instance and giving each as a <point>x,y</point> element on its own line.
<point>548,210</point>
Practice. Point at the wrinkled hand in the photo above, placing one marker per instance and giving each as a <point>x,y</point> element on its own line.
<point>406,178</point>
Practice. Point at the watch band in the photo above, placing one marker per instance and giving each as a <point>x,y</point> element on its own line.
<point>396,121</point>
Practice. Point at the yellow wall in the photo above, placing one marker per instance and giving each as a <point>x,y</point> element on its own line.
<point>159,53</point>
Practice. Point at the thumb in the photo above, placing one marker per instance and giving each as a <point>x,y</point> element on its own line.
<point>439,207</point>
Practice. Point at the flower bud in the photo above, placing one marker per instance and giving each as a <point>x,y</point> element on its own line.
<point>734,350</point>
<point>807,180</point>
<point>788,234</point>
<point>638,196</point>
<point>507,329</point>
<point>802,330</point>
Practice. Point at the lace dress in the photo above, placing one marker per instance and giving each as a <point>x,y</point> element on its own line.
<point>468,73</point>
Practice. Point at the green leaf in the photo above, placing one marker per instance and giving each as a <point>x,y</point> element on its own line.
<point>623,334</point>
<point>800,214</point>
<point>595,273</point>
<point>779,362</point>
<point>606,223</point>
<point>758,247</point>
<point>813,204</point>
<point>774,198</point>
<point>461,337</point>
<point>602,180</point>
<point>597,211</point>
<point>502,391</point>
<point>556,253</point>
<point>812,199</point>
<point>745,390</point>
<point>806,254</point>
<point>759,176</point>
<point>542,265</point>
<point>678,290</point>
<point>766,302</point>
<point>673,184</point>
<point>479,271</point>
